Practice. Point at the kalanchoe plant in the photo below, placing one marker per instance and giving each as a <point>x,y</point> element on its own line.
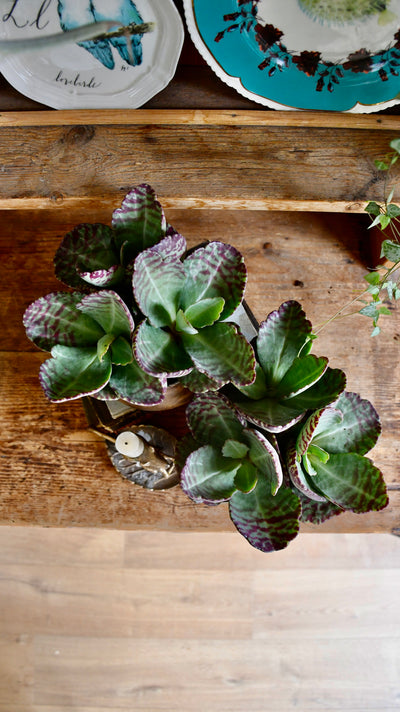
<point>273,431</point>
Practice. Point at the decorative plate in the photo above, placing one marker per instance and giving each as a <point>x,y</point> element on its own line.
<point>122,72</point>
<point>336,55</point>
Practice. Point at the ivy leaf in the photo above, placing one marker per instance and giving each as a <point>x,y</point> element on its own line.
<point>157,284</point>
<point>281,337</point>
<point>222,353</point>
<point>395,144</point>
<point>108,309</point>
<point>373,208</point>
<point>268,522</point>
<point>381,165</point>
<point>351,481</point>
<point>391,250</point>
<point>55,319</point>
<point>223,274</point>
<point>73,372</point>
<point>372,278</point>
<point>208,477</point>
<point>393,210</point>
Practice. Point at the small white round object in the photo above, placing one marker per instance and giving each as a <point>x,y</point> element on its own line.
<point>129,444</point>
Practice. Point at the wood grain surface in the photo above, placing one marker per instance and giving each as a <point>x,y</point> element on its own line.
<point>53,472</point>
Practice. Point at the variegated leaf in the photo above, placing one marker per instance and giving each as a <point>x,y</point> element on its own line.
<point>200,383</point>
<point>157,285</point>
<point>135,386</point>
<point>298,476</point>
<point>158,352</point>
<point>171,247</point>
<point>356,431</point>
<point>55,319</point>
<point>265,458</point>
<point>208,477</point>
<point>212,420</point>
<point>330,417</point>
<point>221,353</point>
<point>140,221</point>
<point>317,512</point>
<point>281,337</point>
<point>269,414</point>
<point>351,481</point>
<point>73,372</point>
<point>216,270</point>
<point>268,522</point>
<point>104,278</point>
<point>322,393</point>
<point>86,249</point>
<point>108,309</point>
<point>301,375</point>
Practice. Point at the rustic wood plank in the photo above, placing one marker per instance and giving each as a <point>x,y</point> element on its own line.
<point>193,157</point>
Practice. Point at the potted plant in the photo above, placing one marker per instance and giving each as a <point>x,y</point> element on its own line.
<point>272,429</point>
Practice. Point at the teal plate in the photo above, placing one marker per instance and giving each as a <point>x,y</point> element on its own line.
<point>330,55</point>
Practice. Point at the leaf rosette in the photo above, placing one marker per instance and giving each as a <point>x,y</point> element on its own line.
<point>187,300</point>
<point>289,380</point>
<point>90,340</point>
<point>224,460</point>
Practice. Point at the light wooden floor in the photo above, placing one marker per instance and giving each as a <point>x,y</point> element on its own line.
<point>105,620</point>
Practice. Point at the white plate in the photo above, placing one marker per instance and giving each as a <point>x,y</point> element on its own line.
<point>72,77</point>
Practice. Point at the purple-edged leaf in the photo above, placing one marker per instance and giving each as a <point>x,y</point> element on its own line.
<point>351,481</point>
<point>213,421</point>
<point>217,270</point>
<point>356,431</point>
<point>157,284</point>
<point>55,319</point>
<point>73,372</point>
<point>281,337</point>
<point>258,389</point>
<point>208,477</point>
<point>330,418</point>
<point>322,393</point>
<point>158,352</point>
<point>140,220</point>
<point>105,278</point>
<point>103,345</point>
<point>246,477</point>
<point>301,375</point>
<point>298,476</point>
<point>265,458</point>
<point>269,414</point>
<point>317,512</point>
<point>85,249</point>
<point>108,309</point>
<point>135,386</point>
<point>199,383</point>
<point>205,312</point>
<point>222,353</point>
<point>171,247</point>
<point>121,351</point>
<point>268,522</point>
<point>183,325</point>
<point>106,394</point>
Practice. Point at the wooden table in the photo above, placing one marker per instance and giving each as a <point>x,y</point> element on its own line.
<point>286,188</point>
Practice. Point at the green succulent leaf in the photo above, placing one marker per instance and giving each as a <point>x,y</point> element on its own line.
<point>330,419</point>
<point>325,391</point>
<point>391,250</point>
<point>158,352</point>
<point>183,324</point>
<point>139,222</point>
<point>258,389</point>
<point>301,375</point>
<point>267,413</point>
<point>298,476</point>
<point>157,284</point>
<point>205,312</point>
<point>246,477</point>
<point>356,431</point>
<point>265,458</point>
<point>103,345</point>
<point>172,246</point>
<point>121,351</point>
<point>87,249</point>
<point>135,386</point>
<point>56,319</point>
<point>235,449</point>
<point>208,477</point>
<point>73,372</point>
<point>199,383</point>
<point>214,271</point>
<point>108,309</point>
<point>213,421</point>
<point>281,337</point>
<point>222,353</point>
<point>104,278</point>
<point>317,512</point>
<point>350,481</point>
<point>268,522</point>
